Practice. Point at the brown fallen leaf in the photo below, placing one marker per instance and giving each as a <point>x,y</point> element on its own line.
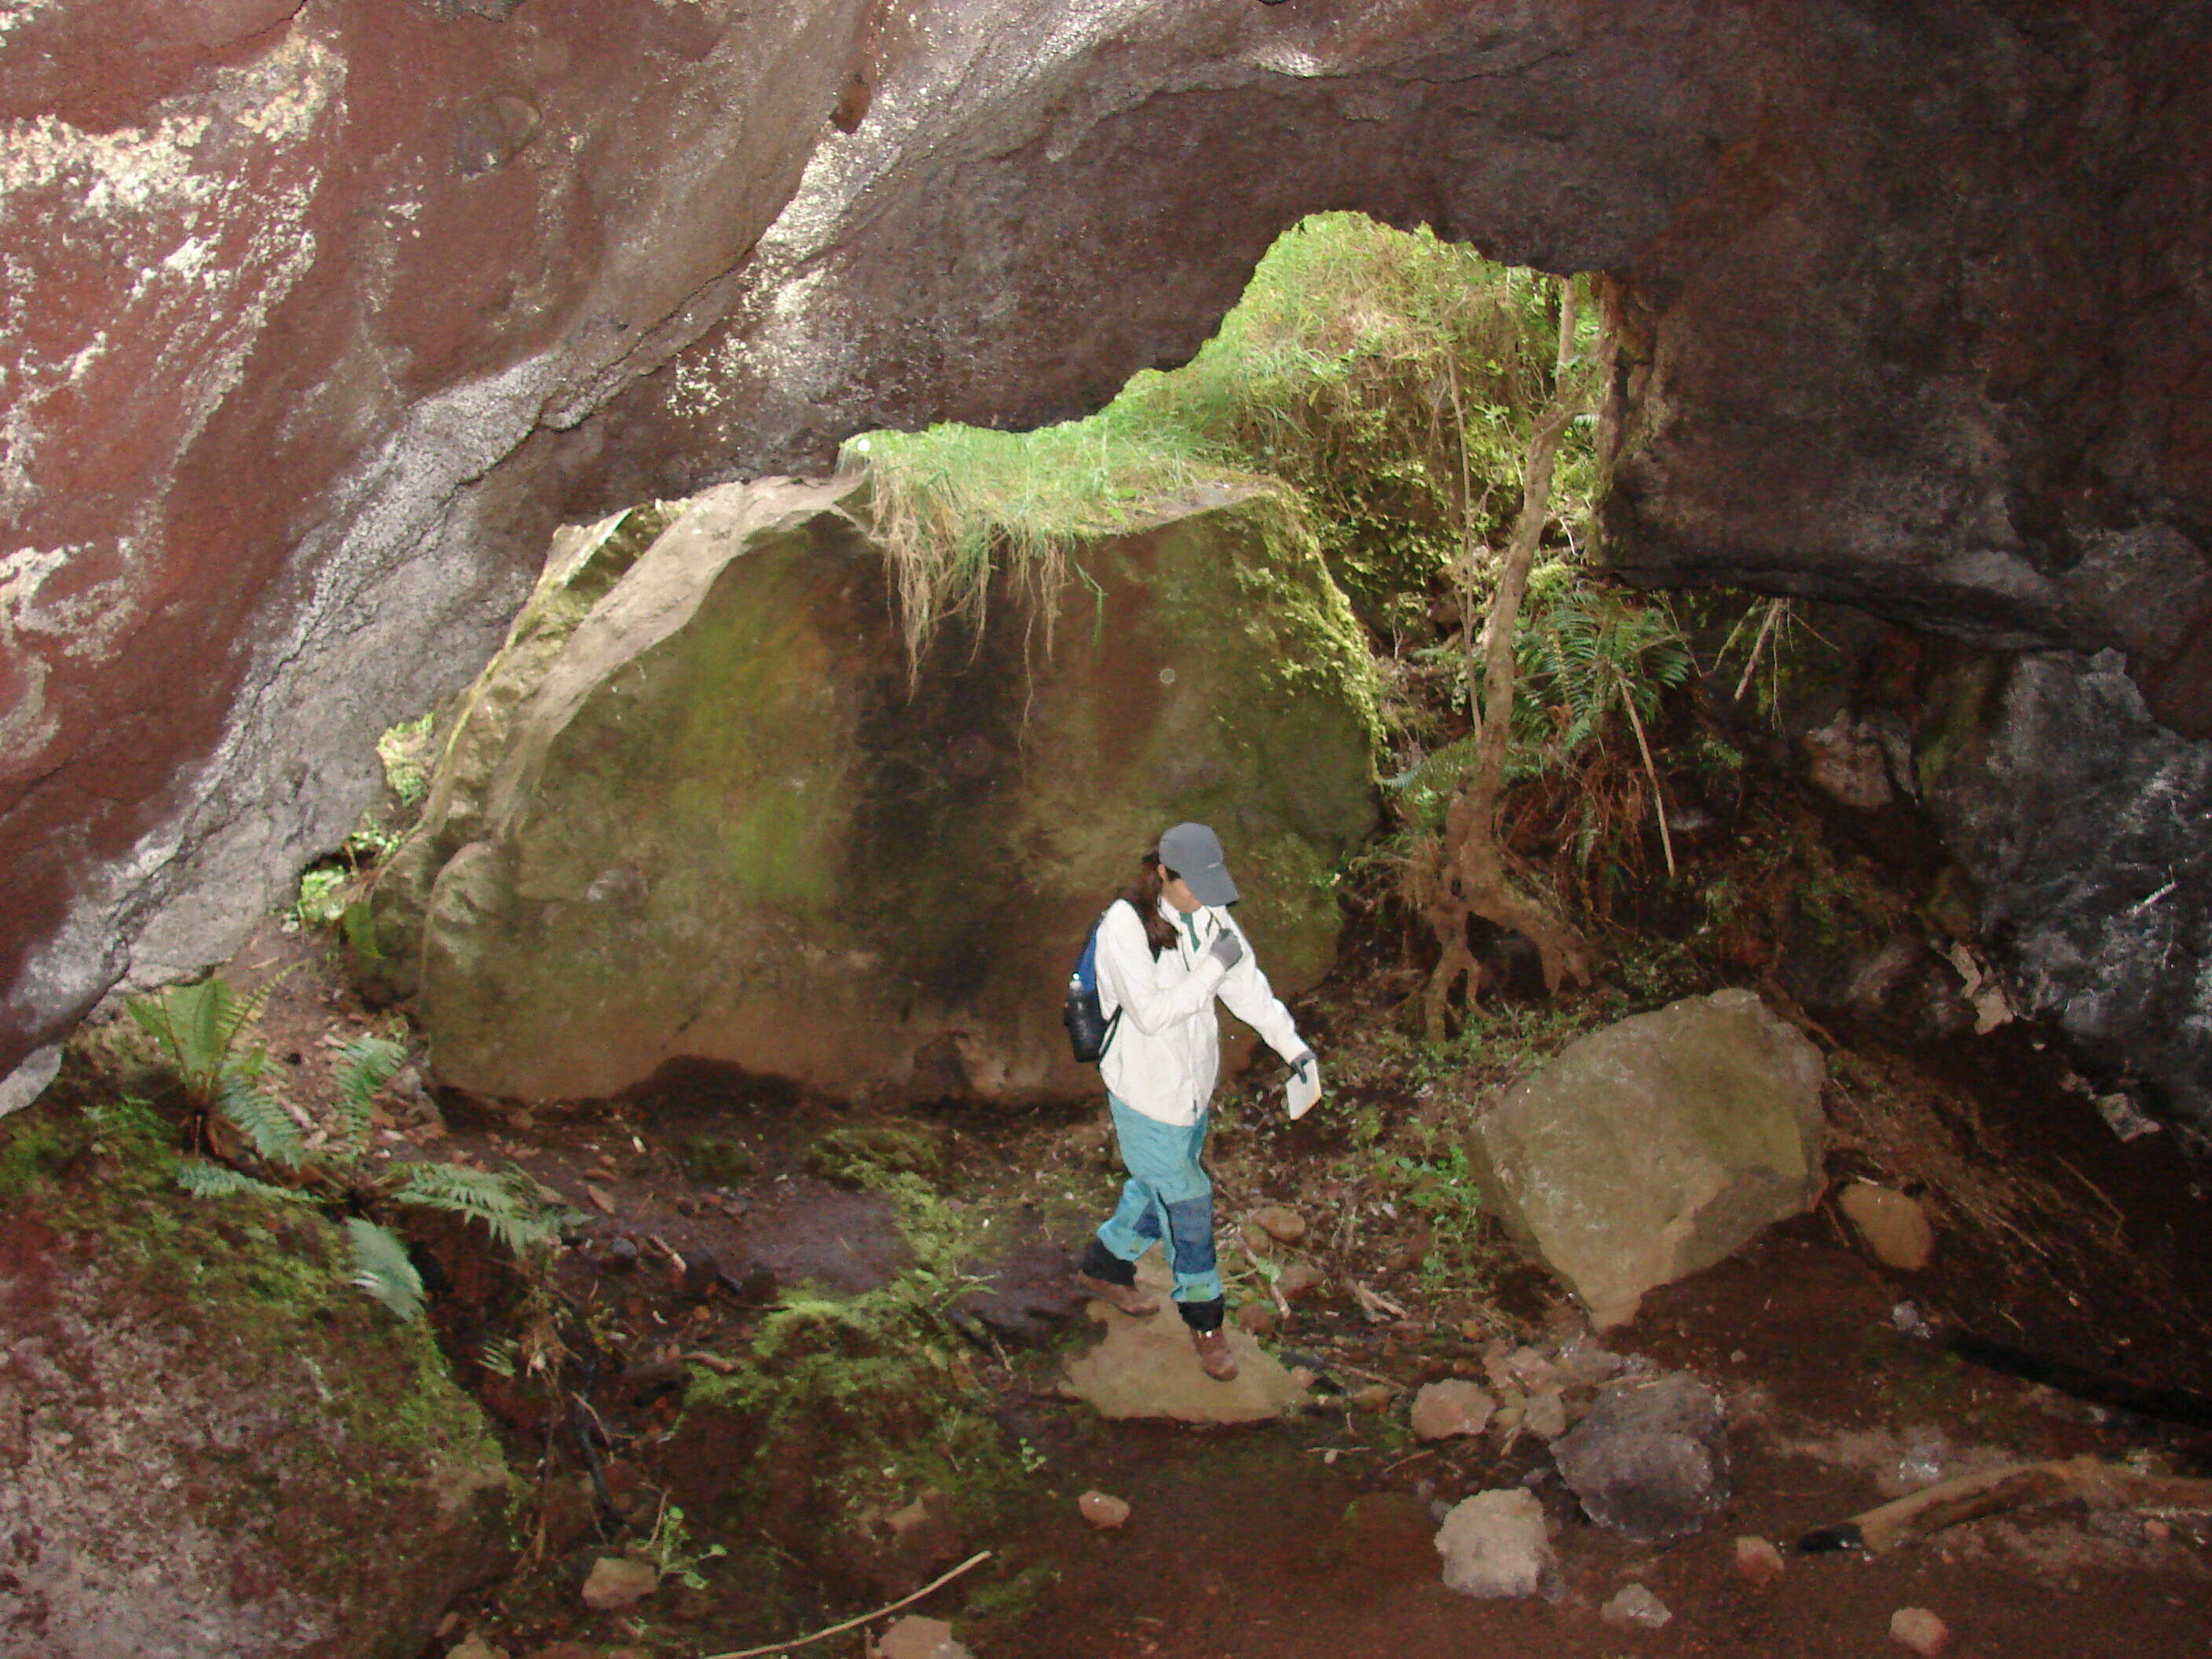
<point>598,1197</point>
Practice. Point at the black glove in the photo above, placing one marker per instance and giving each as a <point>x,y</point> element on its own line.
<point>1227,949</point>
<point>1299,1066</point>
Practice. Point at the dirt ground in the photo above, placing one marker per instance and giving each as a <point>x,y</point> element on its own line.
<point>696,1206</point>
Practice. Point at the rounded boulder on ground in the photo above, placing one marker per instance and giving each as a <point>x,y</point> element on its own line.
<point>1650,1461</point>
<point>1655,1147</point>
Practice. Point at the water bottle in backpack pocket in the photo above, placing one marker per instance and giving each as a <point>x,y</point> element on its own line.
<point>1089,1032</point>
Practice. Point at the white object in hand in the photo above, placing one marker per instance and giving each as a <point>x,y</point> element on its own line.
<point>1304,1089</point>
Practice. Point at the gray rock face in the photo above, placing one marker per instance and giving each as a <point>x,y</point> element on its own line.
<point>1655,1147</point>
<point>2084,823</point>
<point>1651,1461</point>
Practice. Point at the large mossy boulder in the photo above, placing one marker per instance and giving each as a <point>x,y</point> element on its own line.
<point>1655,1147</point>
<point>583,562</point>
<point>729,824</point>
<point>210,1443</point>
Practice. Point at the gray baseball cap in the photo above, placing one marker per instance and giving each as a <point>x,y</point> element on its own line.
<point>1193,852</point>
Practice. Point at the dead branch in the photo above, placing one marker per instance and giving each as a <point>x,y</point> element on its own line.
<point>976,1560</point>
<point>2099,1485</point>
<point>1378,1305</point>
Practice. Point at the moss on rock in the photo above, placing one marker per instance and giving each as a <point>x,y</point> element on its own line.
<point>584,561</point>
<point>226,1449</point>
<point>728,825</point>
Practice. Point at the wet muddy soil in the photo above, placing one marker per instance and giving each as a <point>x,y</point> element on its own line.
<point>1314,1536</point>
<point>696,1210</point>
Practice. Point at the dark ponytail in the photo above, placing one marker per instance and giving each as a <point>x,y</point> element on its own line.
<point>1143,897</point>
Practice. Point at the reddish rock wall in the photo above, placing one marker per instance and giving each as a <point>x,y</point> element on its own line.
<point>318,317</point>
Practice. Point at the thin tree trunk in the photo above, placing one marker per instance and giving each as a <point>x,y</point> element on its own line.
<point>1658,801</point>
<point>1471,880</point>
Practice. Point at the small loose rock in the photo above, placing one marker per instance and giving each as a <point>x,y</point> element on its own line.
<point>1757,1563</point>
<point>1635,1604</point>
<point>1532,1368</point>
<point>1373,1397</point>
<point>1259,1317</point>
<point>915,1637</point>
<point>1102,1511</point>
<point>1300,1278</point>
<point>1582,1361</point>
<point>1444,1411</point>
<point>617,1582</point>
<point>1544,1415</point>
<point>1495,1544</point>
<point>1284,1225</point>
<point>1650,1462</point>
<point>1920,1629</point>
<point>1894,1227</point>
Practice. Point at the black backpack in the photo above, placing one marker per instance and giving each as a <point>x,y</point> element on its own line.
<point>1089,1033</point>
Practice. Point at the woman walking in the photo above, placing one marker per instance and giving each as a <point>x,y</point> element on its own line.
<point>1167,948</point>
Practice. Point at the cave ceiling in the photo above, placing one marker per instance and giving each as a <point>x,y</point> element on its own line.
<point>319,316</point>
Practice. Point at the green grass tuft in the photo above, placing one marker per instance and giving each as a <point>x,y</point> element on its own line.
<point>1373,387</point>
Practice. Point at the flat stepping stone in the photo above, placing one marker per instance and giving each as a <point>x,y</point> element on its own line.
<point>1146,1367</point>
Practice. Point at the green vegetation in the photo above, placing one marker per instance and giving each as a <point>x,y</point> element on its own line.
<point>1374,393</point>
<point>671,1551</point>
<point>866,1154</point>
<point>250,1296</point>
<point>713,1161</point>
<point>201,1029</point>
<point>404,750</point>
<point>1372,389</point>
<point>334,891</point>
<point>868,1393</point>
<point>245,1127</point>
<point>1441,1186</point>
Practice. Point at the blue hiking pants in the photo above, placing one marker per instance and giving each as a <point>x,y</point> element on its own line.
<point>1167,1197</point>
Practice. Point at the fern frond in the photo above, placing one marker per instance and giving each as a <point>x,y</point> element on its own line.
<point>1429,784</point>
<point>507,1204</point>
<point>381,1267</point>
<point>267,1126</point>
<point>364,1067</point>
<point>203,1179</point>
<point>198,1027</point>
<point>216,1017</point>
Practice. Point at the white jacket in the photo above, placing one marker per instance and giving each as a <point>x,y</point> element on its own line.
<point>1166,1052</point>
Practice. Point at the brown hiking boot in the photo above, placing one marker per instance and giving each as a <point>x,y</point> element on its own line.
<point>1213,1355</point>
<point>1123,1299</point>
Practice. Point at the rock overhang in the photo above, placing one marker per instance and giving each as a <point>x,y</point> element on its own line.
<point>328,316</point>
